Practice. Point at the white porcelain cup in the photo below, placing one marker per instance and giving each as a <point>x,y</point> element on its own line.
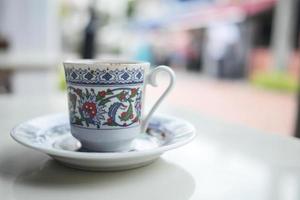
<point>106,101</point>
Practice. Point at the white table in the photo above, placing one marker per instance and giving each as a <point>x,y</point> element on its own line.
<point>225,161</point>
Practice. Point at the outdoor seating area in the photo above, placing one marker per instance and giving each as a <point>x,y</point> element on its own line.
<point>150,99</point>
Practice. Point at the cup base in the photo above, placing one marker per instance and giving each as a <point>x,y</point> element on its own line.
<point>105,140</point>
<point>123,146</point>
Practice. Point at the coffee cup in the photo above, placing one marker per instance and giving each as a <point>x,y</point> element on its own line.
<point>106,101</point>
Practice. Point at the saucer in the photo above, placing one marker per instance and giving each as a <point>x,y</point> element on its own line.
<point>51,135</point>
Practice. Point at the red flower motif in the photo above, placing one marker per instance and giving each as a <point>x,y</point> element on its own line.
<point>122,96</point>
<point>109,121</point>
<point>133,91</point>
<point>131,116</point>
<point>123,114</point>
<point>90,108</point>
<point>102,94</point>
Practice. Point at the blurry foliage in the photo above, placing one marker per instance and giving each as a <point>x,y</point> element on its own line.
<point>280,81</point>
<point>130,8</point>
<point>62,81</point>
<point>116,51</point>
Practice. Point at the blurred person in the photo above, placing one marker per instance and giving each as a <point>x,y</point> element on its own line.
<point>144,52</point>
<point>161,44</point>
<point>144,48</point>
<point>90,33</point>
<point>179,51</point>
<point>195,50</point>
<point>221,52</point>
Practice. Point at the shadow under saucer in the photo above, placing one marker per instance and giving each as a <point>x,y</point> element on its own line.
<point>157,181</point>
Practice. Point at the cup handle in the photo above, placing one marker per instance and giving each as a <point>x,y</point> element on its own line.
<point>151,79</point>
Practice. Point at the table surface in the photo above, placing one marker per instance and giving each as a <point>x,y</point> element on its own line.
<point>225,161</point>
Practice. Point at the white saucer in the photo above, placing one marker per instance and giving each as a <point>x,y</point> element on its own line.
<point>51,134</point>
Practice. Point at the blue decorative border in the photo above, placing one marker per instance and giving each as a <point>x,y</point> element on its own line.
<point>104,76</point>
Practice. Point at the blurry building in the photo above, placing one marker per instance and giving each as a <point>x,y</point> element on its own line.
<point>30,30</point>
<point>246,54</point>
<point>220,38</point>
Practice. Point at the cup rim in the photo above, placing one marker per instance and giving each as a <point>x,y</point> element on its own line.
<point>105,62</point>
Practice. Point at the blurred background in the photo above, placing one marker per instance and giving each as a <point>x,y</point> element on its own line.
<point>236,60</point>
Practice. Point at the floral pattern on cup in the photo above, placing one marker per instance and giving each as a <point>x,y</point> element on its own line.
<point>105,108</point>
